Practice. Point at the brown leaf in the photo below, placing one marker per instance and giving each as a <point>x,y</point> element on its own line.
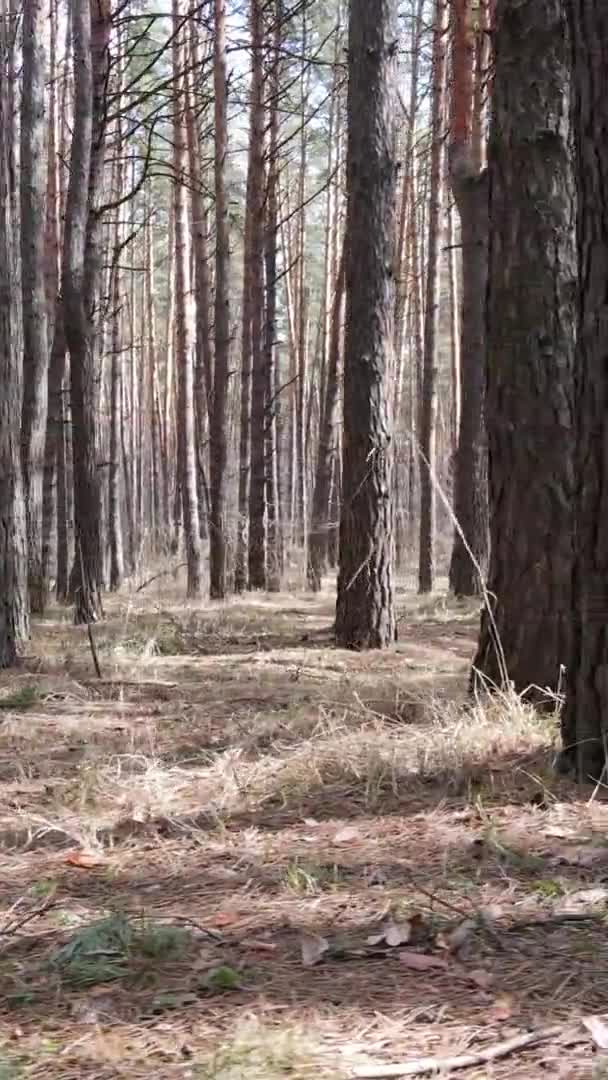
<point>313,948</point>
<point>260,946</point>
<point>597,1026</point>
<point>84,860</point>
<point>421,961</point>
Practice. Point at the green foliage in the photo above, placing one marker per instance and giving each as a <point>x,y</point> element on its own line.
<point>116,947</point>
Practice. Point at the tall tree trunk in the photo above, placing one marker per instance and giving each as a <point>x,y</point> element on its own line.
<point>13,551</point>
<point>183,345</point>
<point>219,444</point>
<point>470,188</point>
<point>52,299</point>
<point>77,326</point>
<point>116,374</point>
<point>584,722</point>
<point>257,501</point>
<point>33,179</point>
<point>273,506</point>
<point>428,409</point>
<point>364,609</point>
<point>532,272</point>
<point>203,364</point>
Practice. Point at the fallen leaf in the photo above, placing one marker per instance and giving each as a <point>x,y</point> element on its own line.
<point>346,835</point>
<point>391,932</point>
<point>597,1026</point>
<point>311,821</point>
<point>260,946</point>
<point>502,1009</point>
<point>313,948</point>
<point>421,961</point>
<point>85,860</point>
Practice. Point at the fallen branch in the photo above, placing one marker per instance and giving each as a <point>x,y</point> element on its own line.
<point>422,1066</point>
<point>155,577</point>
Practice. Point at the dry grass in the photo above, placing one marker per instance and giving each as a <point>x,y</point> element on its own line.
<point>235,781</point>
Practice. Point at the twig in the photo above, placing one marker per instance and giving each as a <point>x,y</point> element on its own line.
<point>421,1066</point>
<point>12,929</point>
<point>164,573</point>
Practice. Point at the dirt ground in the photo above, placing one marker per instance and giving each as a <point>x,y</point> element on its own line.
<point>242,853</point>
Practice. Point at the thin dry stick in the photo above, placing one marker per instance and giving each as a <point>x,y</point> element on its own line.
<point>89,628</point>
<point>155,577</point>
<point>422,1066</point>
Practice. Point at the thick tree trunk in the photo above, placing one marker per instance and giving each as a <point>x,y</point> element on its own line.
<point>428,407</point>
<point>13,550</point>
<point>33,179</point>
<point>183,345</point>
<point>257,500</point>
<point>364,609</point>
<point>584,725</point>
<point>218,434</point>
<point>530,342</point>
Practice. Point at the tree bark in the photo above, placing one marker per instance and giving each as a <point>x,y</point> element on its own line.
<point>364,609</point>
<point>428,409</point>
<point>13,550</point>
<point>525,638</point>
<point>584,720</point>
<point>219,445</point>
<point>33,179</point>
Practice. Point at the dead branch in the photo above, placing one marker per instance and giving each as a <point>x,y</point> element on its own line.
<point>422,1066</point>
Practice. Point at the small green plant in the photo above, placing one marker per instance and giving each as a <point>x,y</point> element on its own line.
<point>258,1053</point>
<point>20,700</point>
<point>115,948</point>
<point>42,890</point>
<point>548,889</point>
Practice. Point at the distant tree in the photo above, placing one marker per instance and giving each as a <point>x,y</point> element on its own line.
<point>364,610</point>
<point>530,352</point>
<point>584,720</point>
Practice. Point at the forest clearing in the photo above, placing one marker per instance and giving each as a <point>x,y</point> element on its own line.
<point>235,789</point>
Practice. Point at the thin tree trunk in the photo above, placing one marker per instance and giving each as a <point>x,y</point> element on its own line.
<point>428,410</point>
<point>364,609</point>
<point>116,373</point>
<point>470,188</point>
<point>183,344</point>
<point>319,533</point>
<point>13,550</point>
<point>219,446</point>
<point>33,180</point>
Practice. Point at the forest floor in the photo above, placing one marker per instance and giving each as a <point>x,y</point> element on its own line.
<point>243,854</point>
